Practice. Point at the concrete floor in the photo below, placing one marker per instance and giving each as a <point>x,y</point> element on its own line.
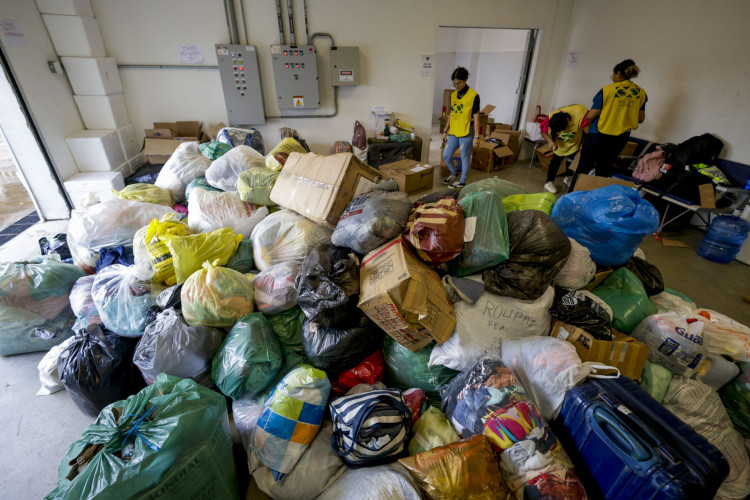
<point>39,429</point>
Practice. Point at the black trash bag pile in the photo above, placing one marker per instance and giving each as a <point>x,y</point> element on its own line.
<point>170,298</point>
<point>335,350</point>
<point>97,369</point>
<point>538,251</point>
<point>328,286</point>
<point>648,274</point>
<point>439,195</point>
<point>574,308</point>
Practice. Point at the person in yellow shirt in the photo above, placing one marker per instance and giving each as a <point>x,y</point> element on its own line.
<point>462,129</point>
<point>617,110</point>
<point>563,131</point>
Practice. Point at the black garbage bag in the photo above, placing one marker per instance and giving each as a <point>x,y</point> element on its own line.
<point>574,308</point>
<point>439,195</point>
<point>170,298</point>
<point>538,251</point>
<point>97,369</point>
<point>328,286</point>
<point>334,350</point>
<point>56,244</point>
<point>648,274</point>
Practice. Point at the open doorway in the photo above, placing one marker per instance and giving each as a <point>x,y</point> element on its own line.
<point>16,204</point>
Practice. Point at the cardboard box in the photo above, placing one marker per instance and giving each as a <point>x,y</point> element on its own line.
<point>629,149</point>
<point>397,291</point>
<point>96,150</point>
<point>410,175</point>
<point>75,36</point>
<point>489,156</point>
<point>165,137</point>
<point>544,154</point>
<point>591,182</point>
<point>320,187</point>
<point>510,138</point>
<point>446,102</point>
<point>623,352</point>
<point>102,111</point>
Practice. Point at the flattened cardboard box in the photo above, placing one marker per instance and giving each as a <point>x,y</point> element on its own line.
<point>410,175</point>
<point>624,352</point>
<point>320,187</point>
<point>591,182</point>
<point>404,297</point>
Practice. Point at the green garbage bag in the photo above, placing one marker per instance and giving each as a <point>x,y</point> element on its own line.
<point>655,380</point>
<point>170,440</point>
<point>486,229</point>
<point>405,369</point>
<point>533,201</point>
<point>242,260</point>
<point>288,328</point>
<point>736,398</point>
<point>249,358</point>
<point>198,183</point>
<point>255,184</point>
<point>624,293</point>
<point>501,188</point>
<point>214,149</point>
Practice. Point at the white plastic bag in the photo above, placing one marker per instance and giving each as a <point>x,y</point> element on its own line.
<point>700,407</point>
<point>274,288</point>
<point>547,368</point>
<point>108,224</point>
<point>318,467</point>
<point>724,336</point>
<point>481,327</point>
<point>534,130</point>
<point>676,341</point>
<point>212,210</point>
<point>185,164</point>
<point>286,236</point>
<point>225,170</point>
<point>48,374</point>
<point>382,482</point>
<point>669,302</point>
<point>122,299</point>
<point>578,270</point>
<point>82,303</point>
<point>170,346</point>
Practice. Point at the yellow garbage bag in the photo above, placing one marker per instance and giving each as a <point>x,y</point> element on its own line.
<point>533,201</point>
<point>255,184</point>
<point>277,157</point>
<point>151,255</point>
<point>147,193</point>
<point>190,252</point>
<point>216,296</point>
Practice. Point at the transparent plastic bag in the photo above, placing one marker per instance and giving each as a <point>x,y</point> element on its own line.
<point>669,301</point>
<point>185,164</point>
<point>216,296</point>
<point>151,253</point>
<point>486,241</point>
<point>288,328</point>
<point>82,303</point>
<point>500,187</point>
<point>724,336</point>
<point>249,358</point>
<point>190,252</point>
<point>610,221</point>
<point>238,136</point>
<point>432,430</point>
<point>286,236</point>
<point>578,270</point>
<point>212,210</point>
<point>49,377</point>
<point>198,183</point>
<point>373,218</point>
<point>147,193</point>
<point>274,288</point>
<point>224,171</point>
<point>255,184</point>
<point>277,157</point>
<point>170,346</point>
<point>123,299</point>
<point>676,341</point>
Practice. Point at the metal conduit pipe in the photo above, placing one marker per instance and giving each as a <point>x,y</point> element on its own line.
<point>163,66</point>
<point>307,30</point>
<point>290,11</point>
<point>282,38</point>
<point>244,22</point>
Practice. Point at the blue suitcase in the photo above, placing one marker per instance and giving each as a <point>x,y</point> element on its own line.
<point>625,445</point>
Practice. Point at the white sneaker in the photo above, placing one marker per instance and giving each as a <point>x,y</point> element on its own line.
<point>550,187</point>
<point>567,180</point>
<point>450,179</point>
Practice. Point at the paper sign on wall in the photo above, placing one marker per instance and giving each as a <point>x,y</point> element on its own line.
<point>190,54</point>
<point>12,33</point>
<point>428,68</point>
<point>573,58</point>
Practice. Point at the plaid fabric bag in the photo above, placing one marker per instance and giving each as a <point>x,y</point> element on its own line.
<point>370,427</point>
<point>291,418</point>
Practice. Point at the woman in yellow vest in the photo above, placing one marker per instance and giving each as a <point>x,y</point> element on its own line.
<point>563,131</point>
<point>462,129</point>
<point>617,110</point>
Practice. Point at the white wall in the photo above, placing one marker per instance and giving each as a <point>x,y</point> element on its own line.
<point>694,57</point>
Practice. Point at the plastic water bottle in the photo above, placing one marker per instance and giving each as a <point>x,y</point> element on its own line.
<point>724,238</point>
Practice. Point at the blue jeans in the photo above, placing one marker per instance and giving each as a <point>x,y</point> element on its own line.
<point>465,144</point>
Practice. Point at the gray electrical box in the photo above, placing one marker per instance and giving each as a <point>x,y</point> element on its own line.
<point>295,71</point>
<point>344,66</point>
<point>240,81</point>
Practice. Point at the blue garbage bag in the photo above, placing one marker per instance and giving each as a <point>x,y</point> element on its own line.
<point>610,221</point>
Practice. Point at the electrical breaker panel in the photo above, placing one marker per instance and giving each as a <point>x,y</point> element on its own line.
<point>240,81</point>
<point>295,72</point>
<point>344,66</point>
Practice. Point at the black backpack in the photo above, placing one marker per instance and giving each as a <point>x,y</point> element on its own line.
<point>699,149</point>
